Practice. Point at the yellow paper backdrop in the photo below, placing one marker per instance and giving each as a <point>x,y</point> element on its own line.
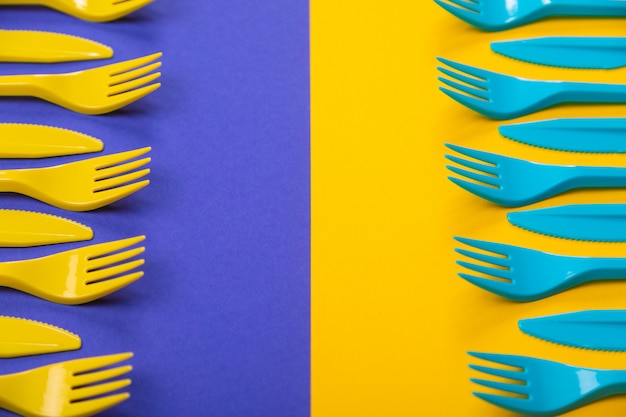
<point>391,321</point>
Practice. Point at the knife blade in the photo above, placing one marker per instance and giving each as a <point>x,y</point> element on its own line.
<point>24,337</point>
<point>587,222</point>
<point>593,329</point>
<point>38,141</point>
<point>568,52</point>
<point>595,135</point>
<point>26,228</point>
<point>47,47</point>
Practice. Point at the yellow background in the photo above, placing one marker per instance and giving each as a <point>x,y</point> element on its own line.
<point>391,319</point>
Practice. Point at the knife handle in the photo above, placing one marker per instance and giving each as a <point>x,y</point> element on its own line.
<point>588,7</point>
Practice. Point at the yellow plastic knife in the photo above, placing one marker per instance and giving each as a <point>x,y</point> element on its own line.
<point>26,228</point>
<point>37,141</point>
<point>47,47</point>
<point>23,337</point>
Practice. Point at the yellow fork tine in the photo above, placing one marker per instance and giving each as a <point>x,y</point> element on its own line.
<point>120,169</point>
<point>103,274</point>
<point>131,64</point>
<point>120,100</point>
<point>102,249</point>
<point>112,195</point>
<point>93,377</point>
<point>94,363</point>
<point>130,75</point>
<point>112,183</point>
<point>104,261</point>
<point>132,85</point>
<point>90,407</point>
<point>85,393</point>
<point>106,161</point>
<point>100,289</point>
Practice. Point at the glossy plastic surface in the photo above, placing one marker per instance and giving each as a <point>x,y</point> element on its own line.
<point>592,329</point>
<point>82,185</point>
<point>539,387</point>
<point>596,135</point>
<point>91,10</point>
<point>502,96</point>
<point>60,389</point>
<point>515,182</point>
<point>587,222</point>
<point>37,141</point>
<point>495,15</point>
<point>522,274</point>
<point>25,228</point>
<point>95,91</point>
<point>76,276</point>
<point>568,52</point>
<point>32,46</point>
<point>23,337</point>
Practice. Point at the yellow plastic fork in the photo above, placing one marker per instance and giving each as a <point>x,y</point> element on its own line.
<point>91,10</point>
<point>95,91</point>
<point>82,185</point>
<point>77,388</point>
<point>76,276</point>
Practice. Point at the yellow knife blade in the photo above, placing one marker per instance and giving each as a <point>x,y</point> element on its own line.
<point>26,228</point>
<point>23,337</point>
<point>38,141</point>
<point>48,47</point>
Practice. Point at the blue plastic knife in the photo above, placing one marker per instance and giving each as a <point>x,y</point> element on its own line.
<point>596,135</point>
<point>593,329</point>
<point>589,222</point>
<point>569,52</point>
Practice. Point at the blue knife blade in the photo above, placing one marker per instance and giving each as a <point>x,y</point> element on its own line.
<point>595,135</point>
<point>568,52</point>
<point>588,222</point>
<point>593,329</point>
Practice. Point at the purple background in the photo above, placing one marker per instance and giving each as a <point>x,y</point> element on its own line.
<point>220,322</point>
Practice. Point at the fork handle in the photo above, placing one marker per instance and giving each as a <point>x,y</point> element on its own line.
<point>588,7</point>
<point>589,176</point>
<point>593,269</point>
<point>591,92</point>
<point>18,85</point>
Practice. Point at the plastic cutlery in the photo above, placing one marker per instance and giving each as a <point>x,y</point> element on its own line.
<point>522,274</point>
<point>31,46</point>
<point>25,228</point>
<point>37,141</point>
<point>23,337</point>
<point>82,185</point>
<point>539,387</point>
<point>515,182</point>
<point>76,276</point>
<point>568,52</point>
<point>598,135</point>
<point>91,10</point>
<point>495,15</point>
<point>502,96</point>
<point>95,91</point>
<point>77,388</point>
<point>587,222</point>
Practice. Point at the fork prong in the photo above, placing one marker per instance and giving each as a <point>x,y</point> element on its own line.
<point>94,406</point>
<point>103,249</point>
<point>131,75</point>
<point>483,191</point>
<point>120,100</point>
<point>103,274</point>
<point>101,289</point>
<point>497,248</point>
<point>115,170</point>
<point>506,360</point>
<point>96,362</point>
<point>493,272</point>
<point>501,288</point>
<point>85,393</point>
<point>516,404</point>
<point>114,194</point>
<point>485,179</point>
<point>473,103</point>
<point>489,169</point>
<point>474,82</point>
<point>502,386</point>
<point>502,373</point>
<point>113,183</point>
<point>103,261</point>
<point>483,156</point>
<point>118,158</point>
<point>494,260</point>
<point>475,92</point>
<point>461,13</point>
<point>132,64</point>
<point>468,69</point>
<point>132,84</point>
<point>93,377</point>
<point>475,7</point>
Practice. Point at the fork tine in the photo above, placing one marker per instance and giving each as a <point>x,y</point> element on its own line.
<point>479,93</point>
<point>103,261</point>
<point>473,103</point>
<point>120,100</point>
<point>468,69</point>
<point>494,272</point>
<point>506,360</point>
<point>501,288</point>
<point>93,377</point>
<point>101,289</point>
<point>112,183</point>
<point>117,158</point>
<point>115,170</point>
<point>114,194</point>
<point>132,84</point>
<point>485,179</point>
<point>495,260</point>
<point>502,386</point>
<point>82,394</point>
<point>475,7</point>
<point>131,64</point>
<point>490,169</point>
<point>475,82</point>
<point>103,274</point>
<point>483,191</point>
<point>461,13</point>
<point>91,407</point>
<point>498,248</point>
<point>510,403</point>
<point>502,373</point>
<point>488,157</point>
<point>131,75</point>
<point>103,249</point>
<point>96,362</point>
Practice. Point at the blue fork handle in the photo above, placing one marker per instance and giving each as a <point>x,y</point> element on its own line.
<point>590,176</point>
<point>590,92</point>
<point>600,269</point>
<point>588,7</point>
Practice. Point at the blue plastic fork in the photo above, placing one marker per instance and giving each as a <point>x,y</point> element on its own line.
<point>540,387</point>
<point>515,182</point>
<point>494,15</point>
<point>521,274</point>
<point>502,96</point>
